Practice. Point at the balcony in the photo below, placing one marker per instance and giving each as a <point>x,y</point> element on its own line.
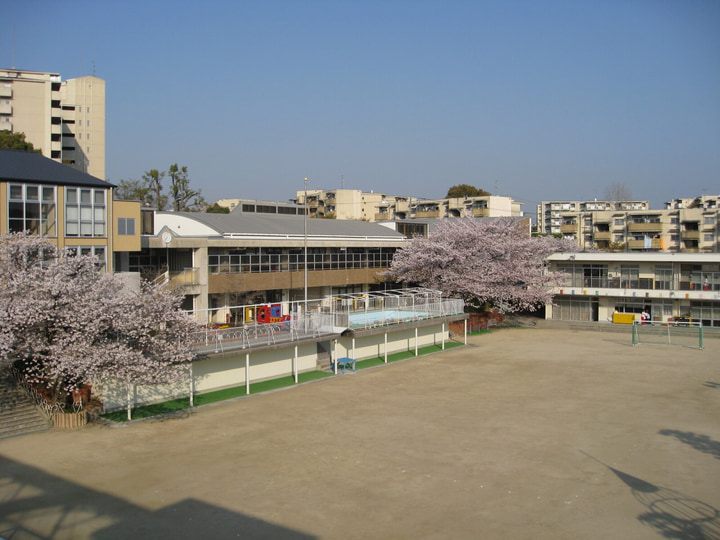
<point>691,235</point>
<point>6,108</point>
<point>6,91</point>
<point>427,214</point>
<point>569,228</point>
<point>481,212</point>
<point>383,216</point>
<point>602,235</point>
<point>640,244</point>
<point>402,206</point>
<point>655,226</point>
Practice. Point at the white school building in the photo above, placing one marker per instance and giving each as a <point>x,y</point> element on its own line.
<point>670,286</point>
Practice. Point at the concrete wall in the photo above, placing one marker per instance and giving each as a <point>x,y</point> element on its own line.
<point>217,373</point>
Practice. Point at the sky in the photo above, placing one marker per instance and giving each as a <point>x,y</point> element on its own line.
<point>536,100</point>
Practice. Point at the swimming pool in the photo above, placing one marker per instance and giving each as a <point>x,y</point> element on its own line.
<point>365,319</point>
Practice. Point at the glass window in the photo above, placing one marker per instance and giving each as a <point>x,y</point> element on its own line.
<point>629,276</point>
<point>663,277</point>
<point>126,226</point>
<point>27,213</point>
<point>88,218</point>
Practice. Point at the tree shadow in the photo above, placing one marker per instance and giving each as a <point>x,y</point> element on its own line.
<point>35,504</point>
<point>711,384</point>
<point>671,513</point>
<point>703,443</point>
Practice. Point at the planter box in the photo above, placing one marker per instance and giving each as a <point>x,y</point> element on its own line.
<point>73,420</point>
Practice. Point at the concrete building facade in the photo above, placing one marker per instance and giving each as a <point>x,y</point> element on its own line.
<point>668,285</point>
<point>222,261</point>
<point>377,207</point>
<point>684,225</point>
<point>72,209</point>
<point>64,119</point>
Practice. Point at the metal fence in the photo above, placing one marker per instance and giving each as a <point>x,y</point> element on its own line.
<point>324,317</point>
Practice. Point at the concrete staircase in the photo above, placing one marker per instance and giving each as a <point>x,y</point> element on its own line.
<point>18,414</point>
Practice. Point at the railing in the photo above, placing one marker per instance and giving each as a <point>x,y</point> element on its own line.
<point>187,276</point>
<point>48,408</point>
<point>215,340</point>
<point>318,323</point>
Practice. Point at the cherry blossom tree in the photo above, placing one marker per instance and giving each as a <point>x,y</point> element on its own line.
<point>70,324</point>
<point>491,262</point>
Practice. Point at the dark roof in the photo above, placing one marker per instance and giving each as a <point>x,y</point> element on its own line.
<point>287,225</point>
<point>16,165</point>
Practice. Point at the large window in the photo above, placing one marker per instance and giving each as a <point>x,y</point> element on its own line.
<point>629,276</point>
<point>585,275</point>
<point>663,277</point>
<point>255,260</point>
<point>96,251</point>
<point>573,308</point>
<point>706,312</point>
<point>32,208</point>
<point>85,212</point>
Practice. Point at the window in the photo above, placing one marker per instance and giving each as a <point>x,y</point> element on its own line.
<point>96,251</point>
<point>32,208</point>
<point>709,237</point>
<point>709,220</point>
<point>663,277</point>
<point>629,276</point>
<point>85,212</point>
<point>619,222</point>
<point>126,226</point>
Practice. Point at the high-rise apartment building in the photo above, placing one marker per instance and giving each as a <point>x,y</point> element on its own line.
<point>371,206</point>
<point>685,225</point>
<point>65,120</point>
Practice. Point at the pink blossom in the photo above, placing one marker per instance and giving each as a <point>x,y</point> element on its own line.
<point>484,261</point>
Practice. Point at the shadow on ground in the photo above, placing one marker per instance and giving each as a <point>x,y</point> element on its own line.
<point>38,505</point>
<point>703,443</point>
<point>671,513</point>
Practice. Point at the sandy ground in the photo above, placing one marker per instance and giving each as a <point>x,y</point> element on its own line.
<point>525,433</point>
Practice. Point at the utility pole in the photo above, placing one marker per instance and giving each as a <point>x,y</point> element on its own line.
<point>305,242</point>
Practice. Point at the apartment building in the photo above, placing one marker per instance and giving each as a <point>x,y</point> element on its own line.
<point>666,285</point>
<point>222,261</point>
<point>354,204</point>
<point>685,225</point>
<point>376,207</point>
<point>64,119</point>
<point>71,208</point>
<point>252,206</point>
<point>482,206</point>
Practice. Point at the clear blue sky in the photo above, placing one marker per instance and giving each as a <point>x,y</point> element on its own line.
<point>538,100</point>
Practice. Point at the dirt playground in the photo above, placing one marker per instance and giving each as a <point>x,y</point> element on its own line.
<point>525,433</point>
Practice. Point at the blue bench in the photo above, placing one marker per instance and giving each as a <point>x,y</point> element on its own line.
<point>344,362</point>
